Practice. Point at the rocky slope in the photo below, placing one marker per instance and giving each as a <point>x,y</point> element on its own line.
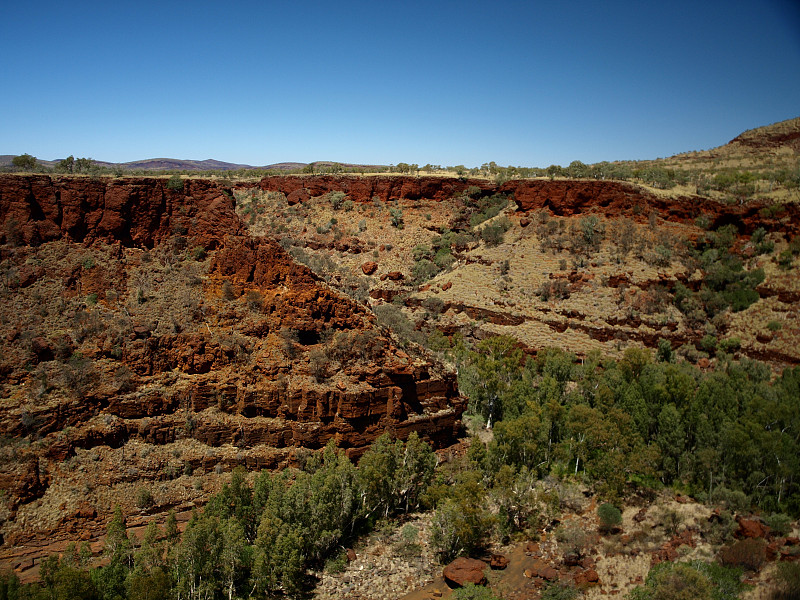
<point>149,344</point>
<point>613,293</point>
<point>153,339</point>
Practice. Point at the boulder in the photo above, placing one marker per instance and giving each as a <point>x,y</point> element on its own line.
<point>465,570</point>
<point>296,196</point>
<point>498,561</point>
<point>541,569</point>
<point>42,349</point>
<point>587,577</point>
<point>750,528</point>
<point>368,268</point>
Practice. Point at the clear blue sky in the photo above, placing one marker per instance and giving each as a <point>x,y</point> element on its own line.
<point>521,83</point>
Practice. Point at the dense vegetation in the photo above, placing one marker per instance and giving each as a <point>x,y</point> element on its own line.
<point>731,437</point>
<point>637,422</point>
<point>248,540</point>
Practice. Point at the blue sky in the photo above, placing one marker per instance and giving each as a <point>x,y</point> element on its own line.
<point>520,83</point>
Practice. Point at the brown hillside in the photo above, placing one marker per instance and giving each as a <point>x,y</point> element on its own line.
<point>147,340</point>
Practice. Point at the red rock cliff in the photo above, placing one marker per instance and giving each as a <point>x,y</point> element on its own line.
<point>134,211</point>
<point>561,197</point>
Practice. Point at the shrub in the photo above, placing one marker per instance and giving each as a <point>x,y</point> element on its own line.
<point>396,217</point>
<point>735,500</point>
<point>392,317</point>
<point>572,539</point>
<point>748,553</point>
<point>674,581</point>
<point>337,563</point>
<point>254,300</point>
<point>433,305</point>
<point>457,528</point>
<point>144,498</point>
<point>559,591</point>
<point>470,591</point>
<point>780,524</point>
<point>731,344</point>
<point>421,251</point>
<point>228,293</point>
<point>774,326</point>
<point>493,234</point>
<point>610,517</point>
<point>588,234</point>
<point>408,545</point>
<point>423,270</point>
<point>337,199</point>
<point>787,582</point>
<point>555,288</point>
<point>175,183</point>
<point>709,343</point>
<point>785,260</point>
<point>318,364</point>
<point>664,352</point>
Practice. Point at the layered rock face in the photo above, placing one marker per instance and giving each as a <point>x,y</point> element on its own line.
<point>140,212</point>
<point>146,337</point>
<point>559,197</point>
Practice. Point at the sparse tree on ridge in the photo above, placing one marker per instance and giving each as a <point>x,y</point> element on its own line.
<point>24,162</point>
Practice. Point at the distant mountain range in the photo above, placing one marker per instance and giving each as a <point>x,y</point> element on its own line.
<point>177,164</point>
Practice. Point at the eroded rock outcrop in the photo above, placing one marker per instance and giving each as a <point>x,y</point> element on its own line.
<point>129,356</point>
<point>563,197</point>
<point>134,211</point>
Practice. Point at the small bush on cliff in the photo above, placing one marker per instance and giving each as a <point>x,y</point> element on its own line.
<point>396,217</point>
<point>689,581</point>
<point>493,234</point>
<point>787,582</point>
<point>337,199</point>
<point>392,317</point>
<point>423,270</point>
<point>175,183</point>
<point>144,498</point>
<point>610,517</point>
<point>470,591</point>
<point>559,591</point>
<point>228,293</point>
<point>318,363</point>
<point>749,554</point>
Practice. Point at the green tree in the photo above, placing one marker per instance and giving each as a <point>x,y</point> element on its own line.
<point>197,559</point>
<point>235,500</point>
<point>609,515</point>
<point>461,522</point>
<point>278,561</point>
<point>24,162</point>
<point>83,165</point>
<point>111,579</point>
<point>671,441</point>
<point>233,556</point>
<point>149,579</point>
<point>67,165</point>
